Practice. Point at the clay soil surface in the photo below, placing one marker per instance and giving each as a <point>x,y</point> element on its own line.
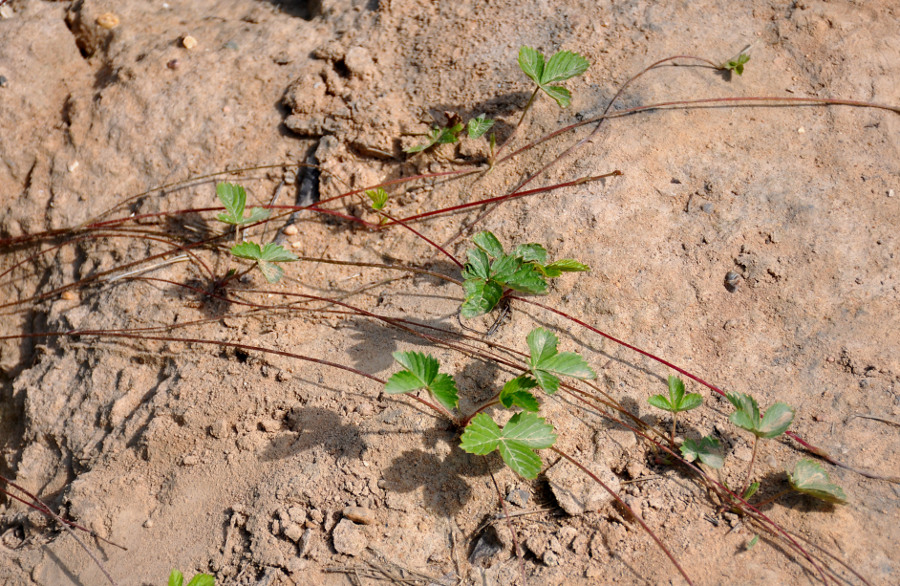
<point>758,248</point>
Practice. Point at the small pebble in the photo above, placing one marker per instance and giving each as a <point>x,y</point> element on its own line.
<point>801,130</point>
<point>69,295</point>
<point>108,20</point>
<point>148,524</point>
<point>297,245</point>
<point>6,11</point>
<point>890,192</point>
<point>731,280</point>
<point>348,538</point>
<point>173,64</point>
<point>359,515</point>
<point>291,230</point>
<point>189,42</point>
<point>72,166</point>
<point>3,81</point>
<point>292,531</point>
<point>190,460</point>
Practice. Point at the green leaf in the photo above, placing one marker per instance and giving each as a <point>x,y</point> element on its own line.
<point>676,390</point>
<point>751,490</point>
<point>661,402</point>
<point>524,433</point>
<point>487,242</point>
<point>562,66</point>
<point>737,64</point>
<point>531,61</point>
<point>566,265</point>
<point>546,381</point>
<point>450,134</point>
<point>542,343</point>
<point>810,478</point>
<point>746,415</point>
<point>527,279</point>
<point>270,271</point>
<point>378,196</point>
<point>691,401</point>
<point>532,252</point>
<point>481,297</point>
<point>706,450</point>
<point>478,126</point>
<point>515,392</point>
<point>479,265</point>
<point>776,420</point>
<point>752,542</point>
<point>562,96</point>
<point>234,198</point>
<point>568,364</point>
<point>176,578</point>
<point>248,250</point>
<point>202,580</point>
<point>422,373</point>
<point>505,268</point>
<point>276,253</point>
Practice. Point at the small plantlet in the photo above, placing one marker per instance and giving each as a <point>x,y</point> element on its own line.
<point>522,434</point>
<point>479,126</point>
<point>706,450</point>
<point>176,578</point>
<point>810,478</point>
<point>561,66</point>
<point>234,198</point>
<point>379,198</point>
<point>746,416</point>
<point>737,64</point>
<point>750,491</point>
<point>422,372</point>
<point>546,364</point>
<point>752,543</point>
<point>265,257</point>
<point>676,402</point>
<point>490,271</point>
<point>446,135</point>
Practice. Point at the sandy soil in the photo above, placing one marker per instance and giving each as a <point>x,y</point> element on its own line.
<point>263,469</point>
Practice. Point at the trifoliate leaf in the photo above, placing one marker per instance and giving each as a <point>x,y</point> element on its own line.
<point>478,126</point>
<point>737,65</point>
<point>706,450</point>
<point>438,136</point>
<point>516,442</point>
<point>378,196</point>
<point>546,363</point>
<point>810,478</point>
<point>677,401</point>
<point>487,242</point>
<point>531,61</point>
<point>515,392</point>
<point>562,66</point>
<point>422,373</point>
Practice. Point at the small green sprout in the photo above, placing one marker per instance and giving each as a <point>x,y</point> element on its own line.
<point>751,543</point>
<point>176,578</point>
<point>490,271</point>
<point>479,125</point>
<point>706,450</point>
<point>446,135</point>
<point>561,66</point>
<point>522,434</point>
<point>265,257</point>
<point>810,478</point>
<point>378,196</point>
<point>750,491</point>
<point>676,402</point>
<point>234,198</point>
<point>737,64</point>
<point>422,373</point>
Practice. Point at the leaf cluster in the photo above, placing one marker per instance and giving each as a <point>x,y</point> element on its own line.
<point>265,257</point>
<point>561,66</point>
<point>449,134</point>
<point>746,416</point>
<point>490,271</point>
<point>234,198</point>
<point>737,64</point>
<point>706,450</point>
<point>378,196</point>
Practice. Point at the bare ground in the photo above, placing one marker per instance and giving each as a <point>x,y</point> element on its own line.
<point>243,464</point>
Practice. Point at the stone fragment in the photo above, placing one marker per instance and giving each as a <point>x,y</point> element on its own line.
<point>360,515</point>
<point>348,538</point>
<point>577,493</point>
